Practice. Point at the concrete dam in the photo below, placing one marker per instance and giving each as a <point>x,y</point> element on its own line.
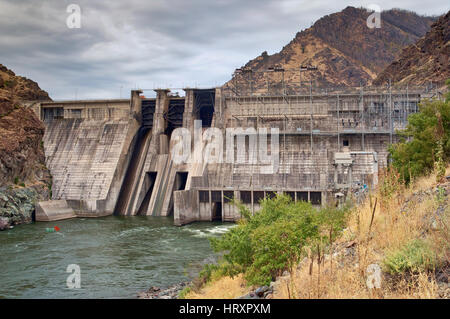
<point>115,156</point>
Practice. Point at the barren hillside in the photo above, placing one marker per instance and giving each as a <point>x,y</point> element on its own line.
<point>424,61</point>
<point>342,48</point>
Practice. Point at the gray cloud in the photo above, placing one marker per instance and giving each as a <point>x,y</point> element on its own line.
<point>157,43</point>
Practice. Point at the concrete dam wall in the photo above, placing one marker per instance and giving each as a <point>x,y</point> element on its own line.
<point>83,156</point>
<point>115,156</point>
<point>87,147</point>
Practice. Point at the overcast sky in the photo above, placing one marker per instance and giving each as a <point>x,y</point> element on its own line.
<point>129,44</point>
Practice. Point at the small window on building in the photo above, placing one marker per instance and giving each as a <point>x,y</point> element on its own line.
<point>316,198</point>
<point>302,196</point>
<point>345,143</point>
<point>246,197</point>
<point>228,196</point>
<point>291,195</point>
<point>75,113</point>
<point>271,195</point>
<point>216,196</point>
<point>203,196</point>
<point>258,196</point>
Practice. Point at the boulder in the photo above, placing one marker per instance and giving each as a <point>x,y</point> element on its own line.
<point>261,291</point>
<point>16,205</point>
<point>250,295</point>
<point>4,223</point>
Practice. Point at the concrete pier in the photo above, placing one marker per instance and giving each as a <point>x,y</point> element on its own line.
<point>53,210</point>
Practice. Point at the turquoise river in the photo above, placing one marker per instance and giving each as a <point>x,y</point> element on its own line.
<point>118,257</point>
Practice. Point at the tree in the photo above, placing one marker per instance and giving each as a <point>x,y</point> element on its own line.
<point>425,144</point>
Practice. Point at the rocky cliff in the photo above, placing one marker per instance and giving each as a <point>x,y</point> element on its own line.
<point>424,61</point>
<point>23,175</point>
<point>343,49</point>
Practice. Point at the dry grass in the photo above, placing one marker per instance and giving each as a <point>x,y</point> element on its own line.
<point>391,228</point>
<point>222,288</point>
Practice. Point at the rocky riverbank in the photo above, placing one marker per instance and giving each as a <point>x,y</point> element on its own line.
<point>17,204</point>
<point>171,292</point>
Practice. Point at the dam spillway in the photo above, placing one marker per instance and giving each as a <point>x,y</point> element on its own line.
<point>114,156</point>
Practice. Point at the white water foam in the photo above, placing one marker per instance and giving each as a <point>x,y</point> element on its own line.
<point>208,232</point>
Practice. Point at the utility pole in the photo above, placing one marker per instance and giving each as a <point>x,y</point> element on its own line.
<point>408,109</point>
<point>284,152</point>
<point>390,111</point>
<point>338,120</point>
<point>311,115</point>
<point>300,77</point>
<point>251,82</point>
<point>235,82</point>
<point>362,120</point>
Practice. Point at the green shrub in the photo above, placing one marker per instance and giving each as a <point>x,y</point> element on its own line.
<point>425,144</point>
<point>16,180</point>
<point>184,292</point>
<point>414,256</point>
<point>277,247</point>
<point>273,240</point>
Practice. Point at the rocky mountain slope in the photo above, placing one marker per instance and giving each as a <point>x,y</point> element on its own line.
<point>23,175</point>
<point>425,61</point>
<point>342,48</point>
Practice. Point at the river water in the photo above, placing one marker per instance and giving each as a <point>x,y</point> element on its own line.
<point>117,256</point>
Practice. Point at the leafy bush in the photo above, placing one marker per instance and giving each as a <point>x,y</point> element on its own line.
<point>426,141</point>
<point>273,240</point>
<point>416,255</point>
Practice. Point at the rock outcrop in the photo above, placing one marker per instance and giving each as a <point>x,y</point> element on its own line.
<point>22,160</point>
<point>425,61</point>
<point>343,49</point>
<point>17,205</point>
